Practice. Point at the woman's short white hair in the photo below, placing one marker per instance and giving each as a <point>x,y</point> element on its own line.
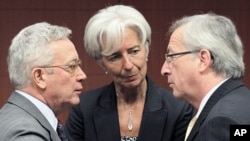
<point>104,31</point>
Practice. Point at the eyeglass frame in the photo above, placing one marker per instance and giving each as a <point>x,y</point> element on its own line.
<point>70,68</point>
<point>169,57</point>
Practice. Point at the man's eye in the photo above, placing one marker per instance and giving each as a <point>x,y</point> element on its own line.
<point>73,67</point>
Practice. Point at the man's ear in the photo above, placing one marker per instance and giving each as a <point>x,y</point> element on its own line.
<point>205,59</point>
<point>39,77</point>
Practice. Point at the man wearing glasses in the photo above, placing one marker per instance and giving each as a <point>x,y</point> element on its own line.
<point>204,65</point>
<point>44,69</point>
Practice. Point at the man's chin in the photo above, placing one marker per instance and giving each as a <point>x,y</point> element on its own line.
<point>177,95</point>
<point>75,101</point>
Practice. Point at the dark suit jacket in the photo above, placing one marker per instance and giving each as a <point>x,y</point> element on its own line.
<point>21,120</point>
<point>95,118</point>
<point>229,104</point>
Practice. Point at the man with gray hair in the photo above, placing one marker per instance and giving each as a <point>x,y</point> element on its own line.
<point>204,65</point>
<point>44,69</point>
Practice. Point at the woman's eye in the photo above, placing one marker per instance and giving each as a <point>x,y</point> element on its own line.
<point>134,51</point>
<point>113,57</point>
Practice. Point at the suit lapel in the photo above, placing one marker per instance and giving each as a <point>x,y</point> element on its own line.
<point>223,90</point>
<point>30,108</point>
<point>106,124</point>
<point>152,124</point>
<point>105,116</point>
<point>154,118</point>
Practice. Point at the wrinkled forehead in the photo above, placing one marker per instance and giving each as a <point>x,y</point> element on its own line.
<point>64,50</point>
<point>176,40</point>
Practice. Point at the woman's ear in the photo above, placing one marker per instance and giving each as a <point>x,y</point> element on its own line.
<point>39,77</point>
<point>147,52</point>
<point>102,65</point>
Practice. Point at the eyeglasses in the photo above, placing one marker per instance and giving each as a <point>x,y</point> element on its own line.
<point>70,68</point>
<point>169,57</point>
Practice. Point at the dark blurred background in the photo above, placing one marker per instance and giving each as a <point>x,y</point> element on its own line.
<point>16,14</point>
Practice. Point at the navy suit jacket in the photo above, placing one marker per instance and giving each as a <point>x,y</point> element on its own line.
<point>229,104</point>
<point>95,119</point>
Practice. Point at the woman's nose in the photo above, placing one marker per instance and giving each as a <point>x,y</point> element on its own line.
<point>127,63</point>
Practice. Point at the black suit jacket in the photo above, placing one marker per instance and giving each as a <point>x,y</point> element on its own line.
<point>229,104</point>
<point>95,118</point>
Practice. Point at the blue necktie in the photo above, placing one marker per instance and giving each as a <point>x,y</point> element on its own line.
<point>60,132</point>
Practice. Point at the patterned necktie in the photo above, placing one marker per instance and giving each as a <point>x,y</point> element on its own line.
<point>60,132</point>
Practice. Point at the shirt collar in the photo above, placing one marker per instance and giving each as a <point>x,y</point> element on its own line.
<point>43,108</point>
<point>207,96</point>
